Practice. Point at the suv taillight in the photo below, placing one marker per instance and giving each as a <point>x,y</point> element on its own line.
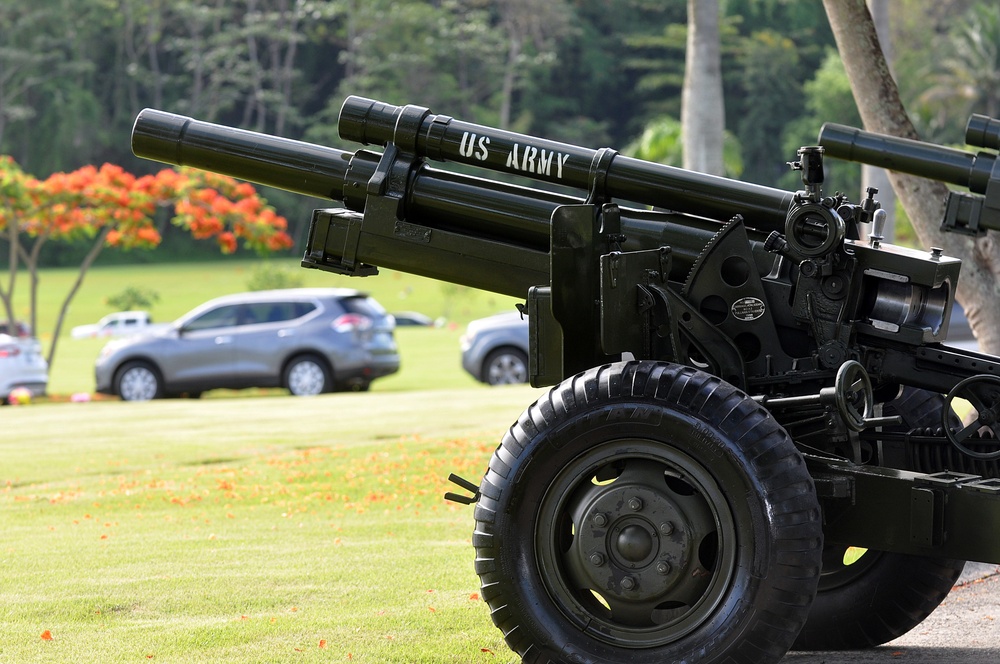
<point>351,323</point>
<point>9,351</point>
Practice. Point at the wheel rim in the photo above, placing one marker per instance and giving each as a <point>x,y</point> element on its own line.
<point>138,384</point>
<point>306,379</point>
<point>636,543</point>
<point>507,369</point>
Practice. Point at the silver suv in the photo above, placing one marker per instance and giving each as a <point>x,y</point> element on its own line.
<point>495,349</point>
<point>309,340</point>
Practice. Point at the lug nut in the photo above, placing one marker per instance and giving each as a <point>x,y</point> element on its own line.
<point>596,559</point>
<point>666,527</point>
<point>663,567</point>
<point>628,583</point>
<point>600,520</point>
<point>635,504</point>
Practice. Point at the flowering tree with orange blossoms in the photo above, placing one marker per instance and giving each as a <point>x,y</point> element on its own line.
<point>108,206</point>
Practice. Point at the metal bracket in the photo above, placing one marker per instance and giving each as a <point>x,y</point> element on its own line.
<point>599,167</point>
<point>465,484</point>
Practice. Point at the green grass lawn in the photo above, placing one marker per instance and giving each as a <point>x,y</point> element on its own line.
<point>256,529</point>
<point>430,357</point>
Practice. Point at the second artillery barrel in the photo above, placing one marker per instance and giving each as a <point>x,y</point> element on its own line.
<point>910,156</point>
<point>416,130</point>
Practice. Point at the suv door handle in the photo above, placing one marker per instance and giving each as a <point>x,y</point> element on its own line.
<point>222,340</point>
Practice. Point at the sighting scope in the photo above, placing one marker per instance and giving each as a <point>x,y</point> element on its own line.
<point>971,214</point>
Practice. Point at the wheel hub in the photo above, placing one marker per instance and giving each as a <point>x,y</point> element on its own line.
<point>634,543</point>
<point>641,538</point>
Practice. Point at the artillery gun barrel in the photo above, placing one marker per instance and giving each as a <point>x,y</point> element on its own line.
<point>291,165</point>
<point>510,214</point>
<point>415,129</point>
<point>983,131</point>
<point>518,214</point>
<point>910,156</point>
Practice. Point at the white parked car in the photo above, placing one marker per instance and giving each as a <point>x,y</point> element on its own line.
<point>22,365</point>
<point>118,324</point>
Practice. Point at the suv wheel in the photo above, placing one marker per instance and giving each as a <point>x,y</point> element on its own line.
<point>307,376</point>
<point>505,366</point>
<point>138,381</point>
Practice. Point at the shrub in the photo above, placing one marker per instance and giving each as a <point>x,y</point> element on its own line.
<point>270,277</point>
<point>133,298</point>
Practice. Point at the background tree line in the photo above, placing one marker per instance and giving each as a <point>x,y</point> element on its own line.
<point>74,73</point>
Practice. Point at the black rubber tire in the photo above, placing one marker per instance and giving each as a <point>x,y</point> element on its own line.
<point>694,492</point>
<point>505,366</point>
<point>881,596</point>
<point>918,408</point>
<point>138,381</point>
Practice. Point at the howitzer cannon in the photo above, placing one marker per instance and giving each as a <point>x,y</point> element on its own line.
<point>746,396</point>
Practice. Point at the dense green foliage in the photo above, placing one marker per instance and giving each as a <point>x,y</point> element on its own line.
<point>593,72</point>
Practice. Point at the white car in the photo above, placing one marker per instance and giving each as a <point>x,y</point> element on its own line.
<point>118,324</point>
<point>22,365</point>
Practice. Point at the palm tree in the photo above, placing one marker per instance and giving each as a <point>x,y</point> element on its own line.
<point>702,108</point>
<point>968,76</point>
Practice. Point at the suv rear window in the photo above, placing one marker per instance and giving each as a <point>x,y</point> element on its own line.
<point>275,312</point>
<point>364,305</point>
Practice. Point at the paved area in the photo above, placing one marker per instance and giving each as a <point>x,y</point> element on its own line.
<point>965,629</point>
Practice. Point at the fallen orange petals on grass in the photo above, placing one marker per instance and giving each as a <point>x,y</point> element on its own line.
<point>46,635</point>
<point>322,643</point>
<point>474,597</point>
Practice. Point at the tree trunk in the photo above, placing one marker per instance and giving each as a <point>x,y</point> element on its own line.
<point>88,260</point>
<point>8,295</point>
<point>882,111</point>
<point>872,176</point>
<point>702,109</point>
<point>509,76</point>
